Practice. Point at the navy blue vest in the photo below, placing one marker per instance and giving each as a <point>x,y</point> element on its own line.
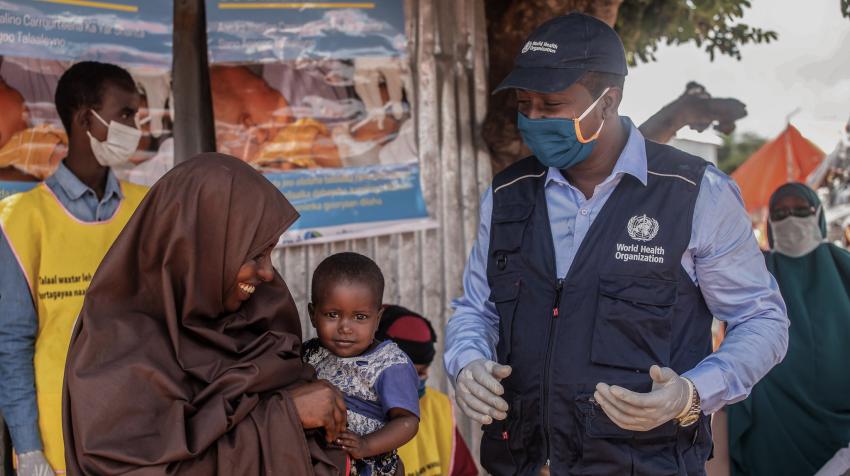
<point>625,305</point>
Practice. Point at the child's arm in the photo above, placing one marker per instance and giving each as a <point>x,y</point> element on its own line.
<point>401,428</point>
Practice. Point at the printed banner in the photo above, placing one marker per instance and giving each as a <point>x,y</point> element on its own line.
<point>327,119</point>
<point>8,188</point>
<point>126,32</point>
<point>351,200</point>
<point>40,40</point>
<point>33,140</point>
<point>246,31</point>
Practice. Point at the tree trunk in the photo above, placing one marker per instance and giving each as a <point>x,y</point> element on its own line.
<point>509,22</point>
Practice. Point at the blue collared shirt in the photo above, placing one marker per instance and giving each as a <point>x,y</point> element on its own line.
<point>18,320</point>
<point>722,258</point>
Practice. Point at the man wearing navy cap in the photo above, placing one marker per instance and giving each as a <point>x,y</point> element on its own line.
<point>583,339</point>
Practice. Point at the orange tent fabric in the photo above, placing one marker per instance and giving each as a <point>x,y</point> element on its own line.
<point>788,158</point>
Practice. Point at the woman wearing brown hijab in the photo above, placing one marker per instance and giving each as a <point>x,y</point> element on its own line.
<point>185,357</point>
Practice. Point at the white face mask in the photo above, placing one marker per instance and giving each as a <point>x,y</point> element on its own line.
<point>121,143</point>
<point>797,236</point>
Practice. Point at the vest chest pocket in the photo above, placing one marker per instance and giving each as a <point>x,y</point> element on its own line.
<point>633,325</point>
<point>504,294</point>
<point>507,229</point>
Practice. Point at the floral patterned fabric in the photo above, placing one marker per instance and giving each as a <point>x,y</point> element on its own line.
<point>373,383</point>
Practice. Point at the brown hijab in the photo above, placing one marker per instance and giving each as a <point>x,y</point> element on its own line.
<point>160,378</point>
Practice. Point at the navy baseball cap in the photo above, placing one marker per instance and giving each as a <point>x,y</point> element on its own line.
<point>559,51</point>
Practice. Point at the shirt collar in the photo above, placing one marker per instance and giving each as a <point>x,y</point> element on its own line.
<point>632,159</point>
<point>75,188</point>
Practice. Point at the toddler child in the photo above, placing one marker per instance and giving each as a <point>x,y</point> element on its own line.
<point>377,378</point>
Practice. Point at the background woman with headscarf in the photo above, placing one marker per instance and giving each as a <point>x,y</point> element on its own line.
<point>185,358</point>
<point>798,416</point>
<point>438,448</point>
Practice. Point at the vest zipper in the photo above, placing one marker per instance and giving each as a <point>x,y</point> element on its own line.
<point>558,289</point>
<point>559,286</point>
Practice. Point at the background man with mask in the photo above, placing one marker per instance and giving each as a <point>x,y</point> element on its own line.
<point>53,239</point>
<point>583,339</point>
<point>796,419</point>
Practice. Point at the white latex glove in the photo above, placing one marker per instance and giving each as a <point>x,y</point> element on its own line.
<point>839,465</point>
<point>478,391</point>
<point>669,398</point>
<point>34,464</point>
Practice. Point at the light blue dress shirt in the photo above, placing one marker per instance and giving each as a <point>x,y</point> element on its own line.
<point>722,258</point>
<point>18,320</point>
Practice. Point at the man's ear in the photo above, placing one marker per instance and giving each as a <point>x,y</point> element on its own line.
<point>82,119</point>
<point>611,102</point>
<point>381,312</point>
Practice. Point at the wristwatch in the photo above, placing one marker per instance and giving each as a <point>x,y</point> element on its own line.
<point>691,414</point>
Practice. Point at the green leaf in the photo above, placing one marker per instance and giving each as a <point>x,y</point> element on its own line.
<point>713,25</point>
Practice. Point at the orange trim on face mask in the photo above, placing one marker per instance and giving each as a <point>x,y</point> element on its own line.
<point>577,121</point>
<point>592,138</point>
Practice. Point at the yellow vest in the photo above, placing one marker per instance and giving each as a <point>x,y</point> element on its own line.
<point>58,255</point>
<point>431,451</point>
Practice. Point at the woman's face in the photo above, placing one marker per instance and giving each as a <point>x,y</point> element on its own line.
<point>253,273</point>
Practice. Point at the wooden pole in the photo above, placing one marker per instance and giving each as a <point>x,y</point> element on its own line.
<point>194,130</point>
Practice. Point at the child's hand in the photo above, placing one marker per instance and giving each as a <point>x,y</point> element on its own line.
<point>356,445</point>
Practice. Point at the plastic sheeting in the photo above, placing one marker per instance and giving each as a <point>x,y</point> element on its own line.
<point>128,32</point>
<point>33,140</point>
<point>249,31</point>
<point>319,97</point>
<point>40,40</point>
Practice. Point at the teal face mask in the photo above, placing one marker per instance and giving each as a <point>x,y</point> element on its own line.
<point>421,388</point>
<point>558,142</point>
